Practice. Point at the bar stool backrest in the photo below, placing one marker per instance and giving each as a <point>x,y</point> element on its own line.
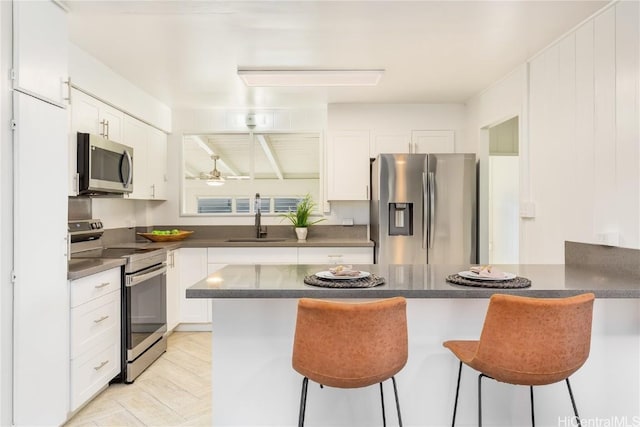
<point>349,345</point>
<point>534,341</point>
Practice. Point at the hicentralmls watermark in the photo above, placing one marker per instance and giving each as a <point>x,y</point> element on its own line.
<point>614,421</point>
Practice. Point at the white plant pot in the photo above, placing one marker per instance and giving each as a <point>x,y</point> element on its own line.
<point>301,232</point>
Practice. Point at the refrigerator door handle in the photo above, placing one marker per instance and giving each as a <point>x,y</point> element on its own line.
<point>425,210</point>
<point>432,207</point>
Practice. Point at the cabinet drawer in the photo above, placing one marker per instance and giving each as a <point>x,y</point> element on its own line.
<point>92,371</point>
<point>348,255</point>
<point>252,255</point>
<point>94,286</point>
<point>94,323</point>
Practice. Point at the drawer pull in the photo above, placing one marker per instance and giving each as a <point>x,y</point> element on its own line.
<point>105,317</point>
<point>104,362</point>
<point>102,285</point>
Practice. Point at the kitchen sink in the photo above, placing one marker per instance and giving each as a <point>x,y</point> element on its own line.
<point>257,240</point>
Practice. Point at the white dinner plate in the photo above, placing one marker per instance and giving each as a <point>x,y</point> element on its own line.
<point>474,276</point>
<point>329,275</point>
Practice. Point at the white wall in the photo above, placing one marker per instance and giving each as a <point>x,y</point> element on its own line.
<point>578,102</point>
<point>584,137</point>
<point>6,219</point>
<point>97,79</point>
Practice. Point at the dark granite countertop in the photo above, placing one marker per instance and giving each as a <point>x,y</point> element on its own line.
<point>410,281</point>
<point>81,267</point>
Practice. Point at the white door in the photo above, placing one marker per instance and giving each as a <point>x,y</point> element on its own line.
<point>503,210</point>
<point>41,296</point>
<point>40,43</point>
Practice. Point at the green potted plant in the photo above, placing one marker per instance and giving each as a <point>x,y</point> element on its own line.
<point>300,217</point>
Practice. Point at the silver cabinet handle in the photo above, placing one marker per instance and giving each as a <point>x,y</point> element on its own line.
<point>104,129</point>
<point>102,285</point>
<point>153,191</point>
<point>102,319</point>
<point>68,97</point>
<point>104,362</point>
<point>107,123</point>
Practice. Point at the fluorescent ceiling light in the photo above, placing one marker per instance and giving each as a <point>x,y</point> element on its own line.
<point>254,77</point>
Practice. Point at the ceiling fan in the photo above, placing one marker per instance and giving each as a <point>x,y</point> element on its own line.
<point>213,178</point>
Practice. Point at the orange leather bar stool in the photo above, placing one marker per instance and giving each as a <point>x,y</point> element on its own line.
<point>350,345</point>
<point>528,341</point>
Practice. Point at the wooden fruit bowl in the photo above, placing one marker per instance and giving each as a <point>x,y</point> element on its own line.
<point>166,237</point>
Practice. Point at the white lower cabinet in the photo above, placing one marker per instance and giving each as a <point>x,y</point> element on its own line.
<point>95,334</point>
<point>335,255</point>
<point>193,268</point>
<point>173,289</point>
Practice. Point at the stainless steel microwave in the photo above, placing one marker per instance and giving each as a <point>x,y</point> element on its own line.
<point>104,166</point>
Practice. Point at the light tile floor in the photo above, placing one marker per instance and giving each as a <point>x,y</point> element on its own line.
<point>174,391</point>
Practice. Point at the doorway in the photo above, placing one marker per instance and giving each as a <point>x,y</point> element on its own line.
<point>504,193</point>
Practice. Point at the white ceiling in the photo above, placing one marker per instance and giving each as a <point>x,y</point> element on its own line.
<point>186,53</point>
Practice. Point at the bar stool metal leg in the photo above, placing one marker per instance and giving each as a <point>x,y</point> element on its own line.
<point>303,401</point>
<point>395,391</point>
<point>384,419</point>
<point>455,404</point>
<point>533,419</point>
<point>573,403</point>
<point>480,399</point>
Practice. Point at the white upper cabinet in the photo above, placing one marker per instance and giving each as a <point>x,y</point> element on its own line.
<point>135,135</point>
<point>390,142</point>
<point>348,165</point>
<point>432,141</point>
<point>89,115</point>
<point>149,159</point>
<point>157,163</point>
<point>40,43</point>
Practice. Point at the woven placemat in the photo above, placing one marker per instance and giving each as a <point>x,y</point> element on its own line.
<point>366,282</point>
<point>517,282</point>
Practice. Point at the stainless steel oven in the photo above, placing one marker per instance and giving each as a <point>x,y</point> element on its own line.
<point>144,317</point>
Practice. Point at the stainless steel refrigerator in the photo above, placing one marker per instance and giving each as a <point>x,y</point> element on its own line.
<point>424,208</point>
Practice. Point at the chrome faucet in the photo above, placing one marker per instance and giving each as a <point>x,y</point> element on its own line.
<point>260,230</point>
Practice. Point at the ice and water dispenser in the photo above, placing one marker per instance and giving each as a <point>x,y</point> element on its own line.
<point>400,219</point>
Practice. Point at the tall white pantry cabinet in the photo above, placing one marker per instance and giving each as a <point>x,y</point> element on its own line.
<point>41,296</point>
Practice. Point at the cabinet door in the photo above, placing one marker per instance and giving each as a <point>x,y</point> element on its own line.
<point>112,121</point>
<point>193,268</point>
<point>41,294</point>
<point>40,43</point>
<point>348,166</point>
<point>399,142</point>
<point>157,163</point>
<point>337,255</point>
<point>173,289</point>
<point>85,118</point>
<point>433,141</point>
<point>135,135</point>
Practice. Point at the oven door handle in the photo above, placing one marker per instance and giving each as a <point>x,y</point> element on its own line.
<point>135,279</point>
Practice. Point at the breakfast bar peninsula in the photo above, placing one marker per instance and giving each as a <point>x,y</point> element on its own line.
<point>254,312</point>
